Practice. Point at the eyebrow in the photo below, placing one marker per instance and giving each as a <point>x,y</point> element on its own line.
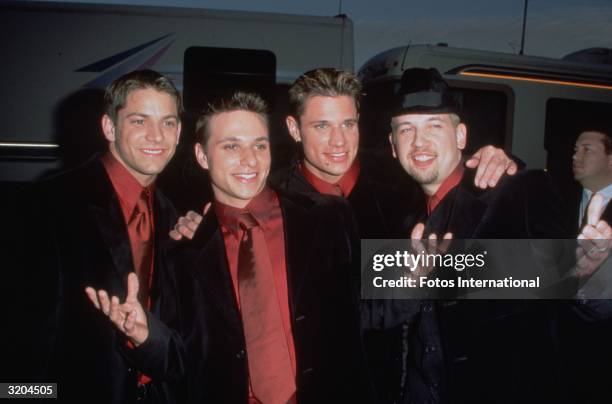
<point>402,123</point>
<point>237,139</point>
<point>143,115</point>
<point>133,114</point>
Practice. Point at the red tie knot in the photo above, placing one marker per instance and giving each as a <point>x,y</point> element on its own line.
<point>246,221</point>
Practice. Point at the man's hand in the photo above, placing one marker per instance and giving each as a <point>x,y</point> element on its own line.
<point>429,246</point>
<point>188,224</point>
<point>491,164</point>
<point>129,317</point>
<point>594,240</point>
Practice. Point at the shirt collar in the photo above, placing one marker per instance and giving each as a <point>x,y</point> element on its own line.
<point>606,193</point>
<point>344,186</point>
<point>586,198</point>
<point>260,207</point>
<point>127,187</point>
<point>447,185</point>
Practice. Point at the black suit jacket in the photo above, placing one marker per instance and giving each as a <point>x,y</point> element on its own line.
<point>380,212</point>
<point>585,331</point>
<point>498,350</point>
<point>379,209</point>
<point>573,210</point>
<point>320,248</point>
<point>78,237</point>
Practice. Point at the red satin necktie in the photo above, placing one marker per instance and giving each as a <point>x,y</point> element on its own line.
<point>141,233</point>
<point>270,370</point>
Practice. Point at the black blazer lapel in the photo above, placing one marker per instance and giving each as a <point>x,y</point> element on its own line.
<point>573,210</point>
<point>460,212</point>
<point>299,233</point>
<point>106,214</point>
<point>607,214</point>
<point>210,268</point>
<point>165,219</point>
<point>467,214</point>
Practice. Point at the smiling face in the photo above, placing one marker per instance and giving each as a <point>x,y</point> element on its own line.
<point>328,130</point>
<point>591,165</point>
<point>237,154</point>
<point>427,146</point>
<point>144,137</point>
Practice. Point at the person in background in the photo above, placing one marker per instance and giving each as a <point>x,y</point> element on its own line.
<point>589,319</point>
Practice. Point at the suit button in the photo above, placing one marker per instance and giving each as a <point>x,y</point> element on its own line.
<point>427,308</point>
<point>130,370</point>
<point>430,349</point>
<point>241,354</point>
<point>306,371</point>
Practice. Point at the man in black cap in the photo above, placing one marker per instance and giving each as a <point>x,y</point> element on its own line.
<point>491,349</point>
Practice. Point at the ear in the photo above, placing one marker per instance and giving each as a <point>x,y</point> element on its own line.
<point>392,144</point>
<point>461,134</point>
<point>108,128</point>
<point>200,155</point>
<point>294,128</point>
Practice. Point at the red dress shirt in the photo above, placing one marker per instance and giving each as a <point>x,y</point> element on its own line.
<point>449,183</point>
<point>342,188</point>
<point>266,210</point>
<point>128,191</point>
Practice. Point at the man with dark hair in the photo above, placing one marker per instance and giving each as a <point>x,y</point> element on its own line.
<point>592,167</point>
<point>589,319</point>
<point>94,226</point>
<point>267,305</point>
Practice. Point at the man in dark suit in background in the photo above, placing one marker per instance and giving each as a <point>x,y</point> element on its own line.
<point>300,338</point>
<point>592,167</point>
<point>585,328</point>
<point>93,226</point>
